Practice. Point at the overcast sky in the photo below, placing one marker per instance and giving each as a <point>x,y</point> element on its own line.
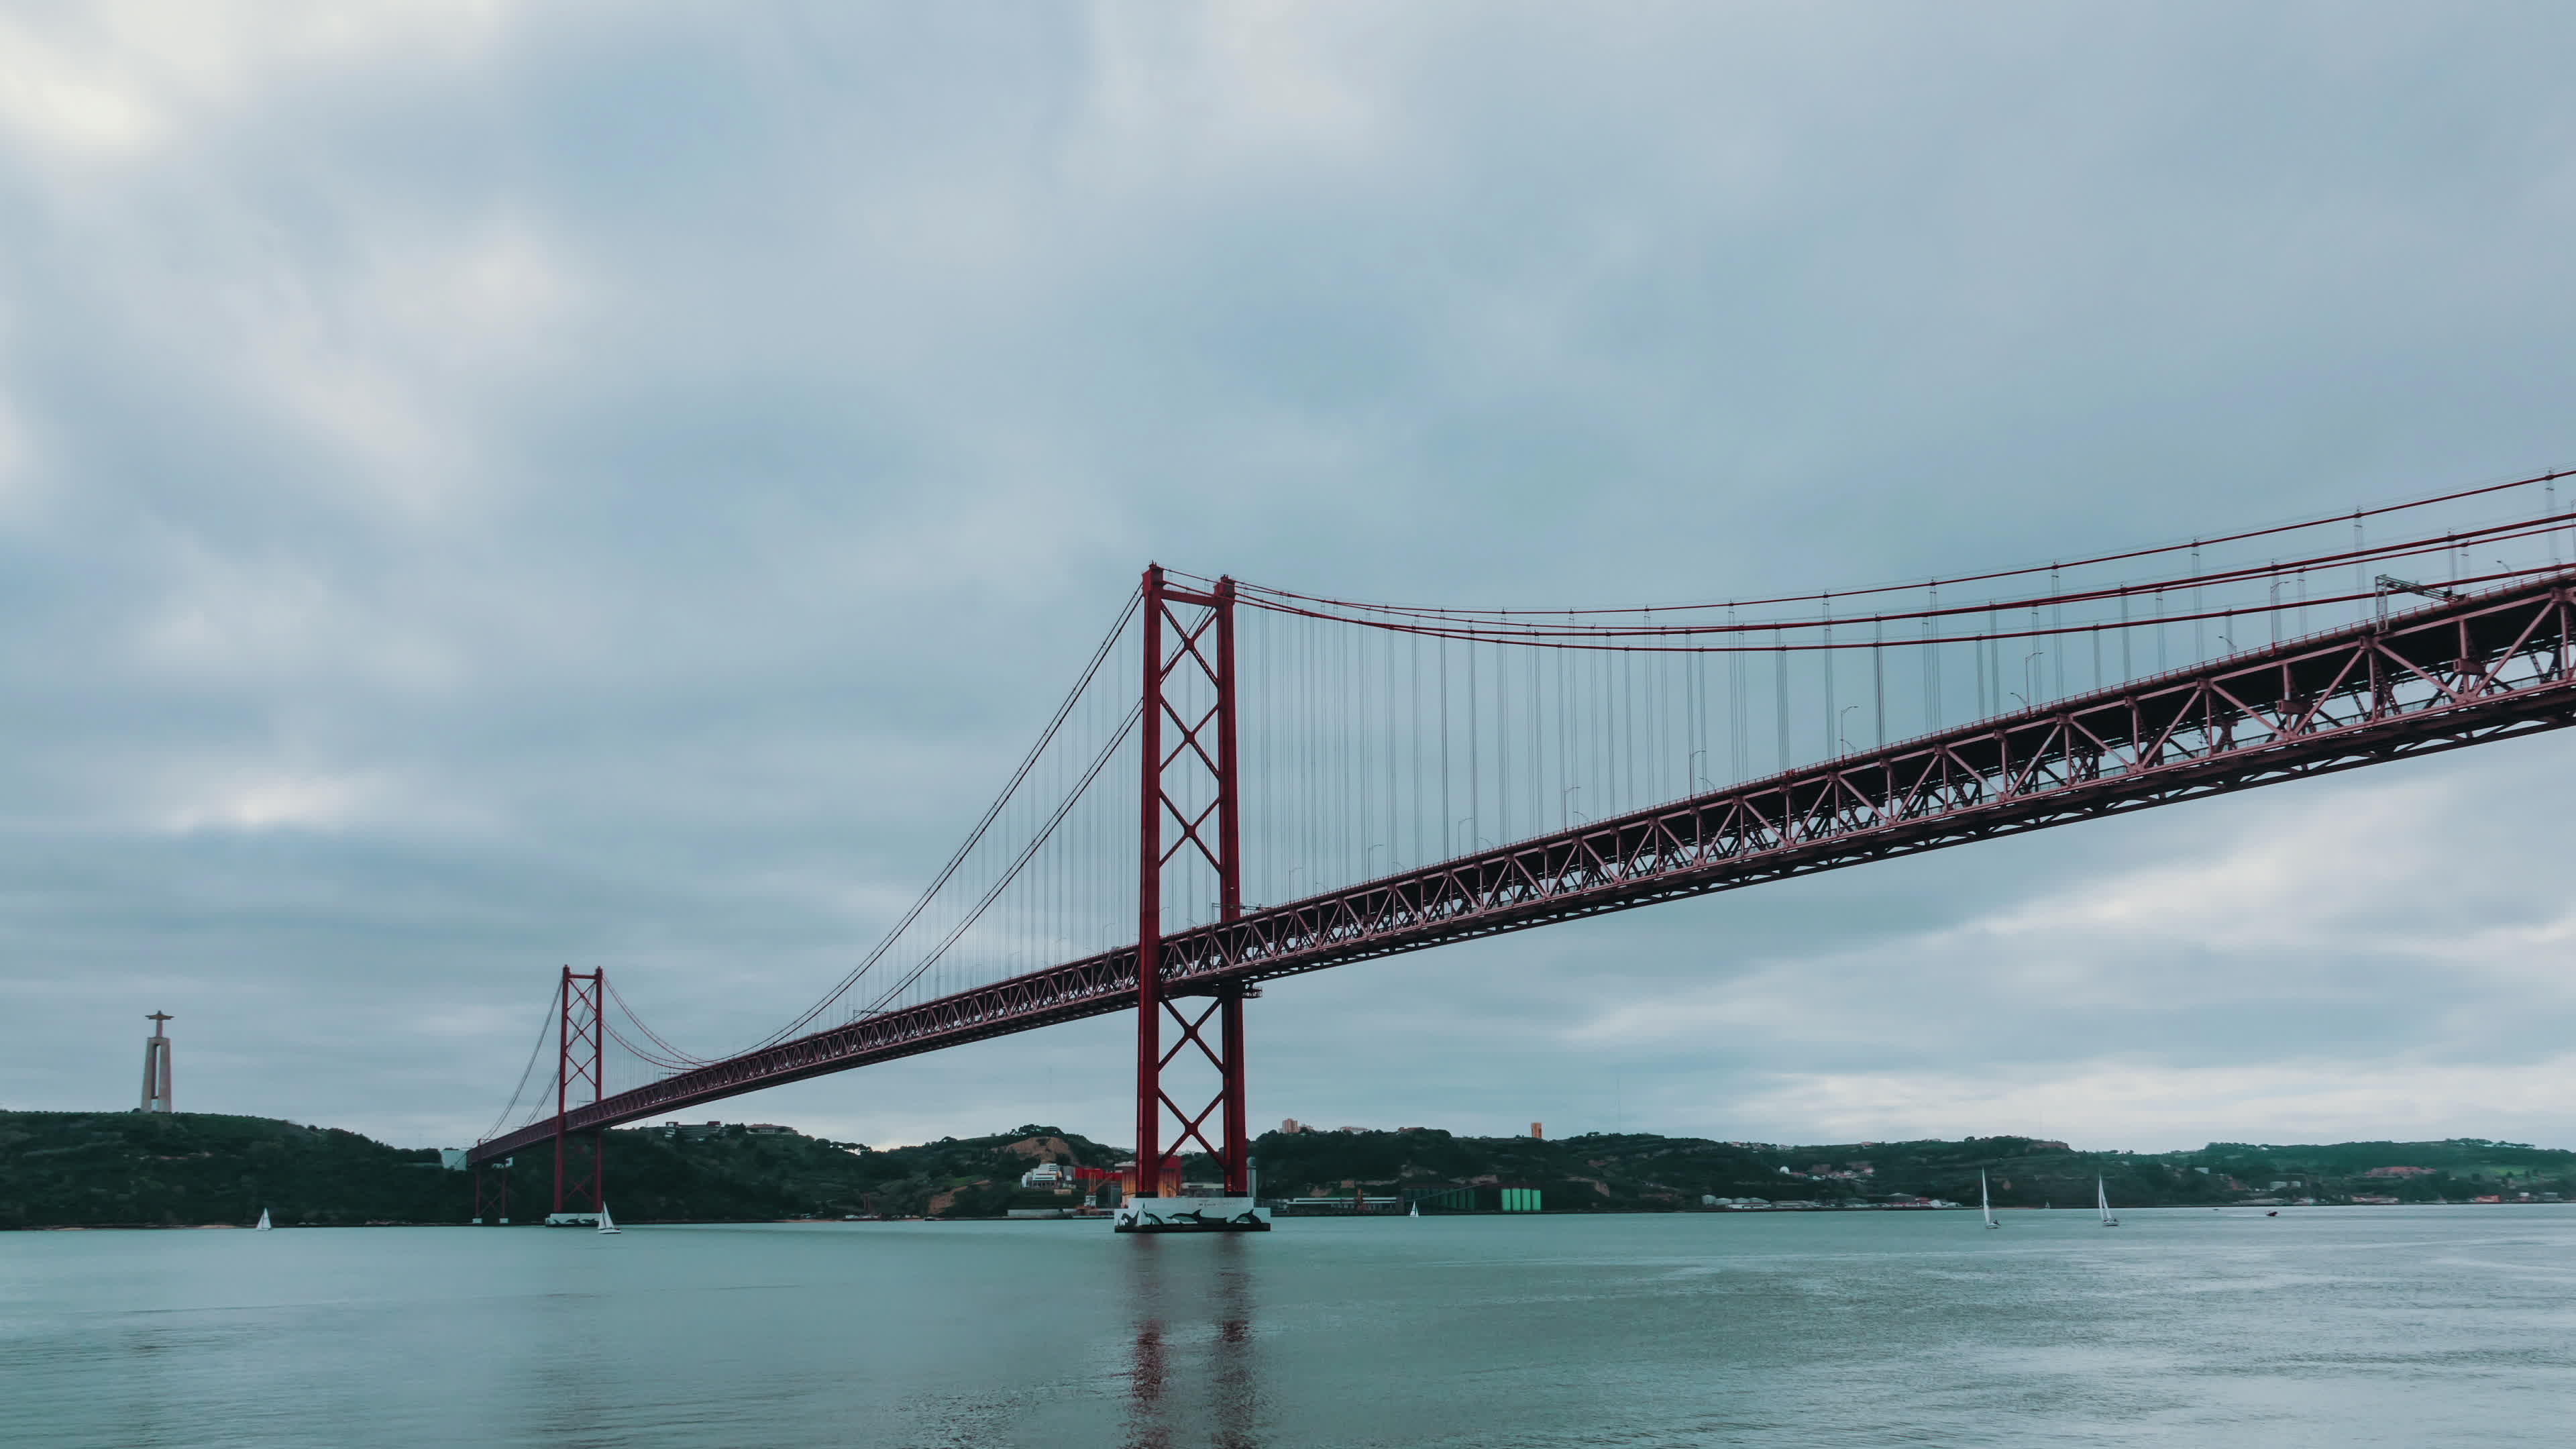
<point>486,486</point>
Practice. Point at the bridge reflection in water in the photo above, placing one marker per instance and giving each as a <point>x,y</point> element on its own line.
<point>1193,1347</point>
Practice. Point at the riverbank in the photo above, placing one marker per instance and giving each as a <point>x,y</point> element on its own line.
<point>126,1169</point>
<point>192,1169</point>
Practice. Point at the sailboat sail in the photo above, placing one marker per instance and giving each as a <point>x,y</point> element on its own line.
<point>263,1221</point>
<point>2102,1200</point>
<point>1985,1202</point>
<point>607,1224</point>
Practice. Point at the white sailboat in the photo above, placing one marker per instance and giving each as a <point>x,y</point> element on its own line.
<point>607,1224</point>
<point>2102,1200</point>
<point>1415,1211</point>
<point>262,1226</point>
<point>1986,1203</point>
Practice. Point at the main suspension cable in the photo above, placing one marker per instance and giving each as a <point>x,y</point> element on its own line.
<point>2192,545</point>
<point>525,1073</point>
<point>1577,636</point>
<point>975,837</point>
<point>682,1058</point>
<point>1099,762</point>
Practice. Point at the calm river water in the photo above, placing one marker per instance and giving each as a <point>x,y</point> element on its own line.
<point>2339,1326</point>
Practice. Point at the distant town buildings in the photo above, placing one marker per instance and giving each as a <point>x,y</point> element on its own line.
<point>696,1131</point>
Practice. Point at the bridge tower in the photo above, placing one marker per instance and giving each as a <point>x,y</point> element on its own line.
<point>581,1043</point>
<point>1190,769</point>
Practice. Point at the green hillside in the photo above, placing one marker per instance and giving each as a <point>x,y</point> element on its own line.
<point>60,1169</point>
<point>81,1169</point>
<point>1643,1172</point>
<point>84,1169</point>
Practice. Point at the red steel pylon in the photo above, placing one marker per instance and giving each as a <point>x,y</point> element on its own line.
<point>581,1039</point>
<point>1190,773</point>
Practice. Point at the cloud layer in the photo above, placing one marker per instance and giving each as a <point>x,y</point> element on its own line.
<point>487,486</point>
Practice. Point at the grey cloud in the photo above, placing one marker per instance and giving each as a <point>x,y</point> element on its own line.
<point>587,486</point>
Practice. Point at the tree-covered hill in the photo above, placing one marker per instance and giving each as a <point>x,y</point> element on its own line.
<point>80,1169</point>
<point>60,1169</point>
<point>1631,1172</point>
<point>77,1169</point>
<point>737,1175</point>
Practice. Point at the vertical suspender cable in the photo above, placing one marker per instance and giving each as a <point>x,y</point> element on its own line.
<point>1531,775</point>
<point>1368,759</point>
<point>1393,842</point>
<point>1699,720</point>
<point>1977,649</point>
<point>2199,626</point>
<point>1653,734</point>
<point>2056,683</point>
<point>1825,657</point>
<point>1413,647</point>
<point>1739,713</point>
<point>1878,684</point>
<point>1502,744</point>
<point>1448,823</point>
<point>1597,801</point>
<point>1475,754</point>
<point>2128,670</point>
<point>1780,700</point>
<point>1627,731</point>
<point>1564,792</point>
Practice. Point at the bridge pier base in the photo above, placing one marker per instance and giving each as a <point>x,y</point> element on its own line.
<point>492,1192</point>
<point>1190,1215</point>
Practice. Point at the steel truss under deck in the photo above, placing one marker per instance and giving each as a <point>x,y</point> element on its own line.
<point>2464,672</point>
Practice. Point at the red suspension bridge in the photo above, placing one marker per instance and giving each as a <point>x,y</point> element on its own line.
<point>1249,783</point>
